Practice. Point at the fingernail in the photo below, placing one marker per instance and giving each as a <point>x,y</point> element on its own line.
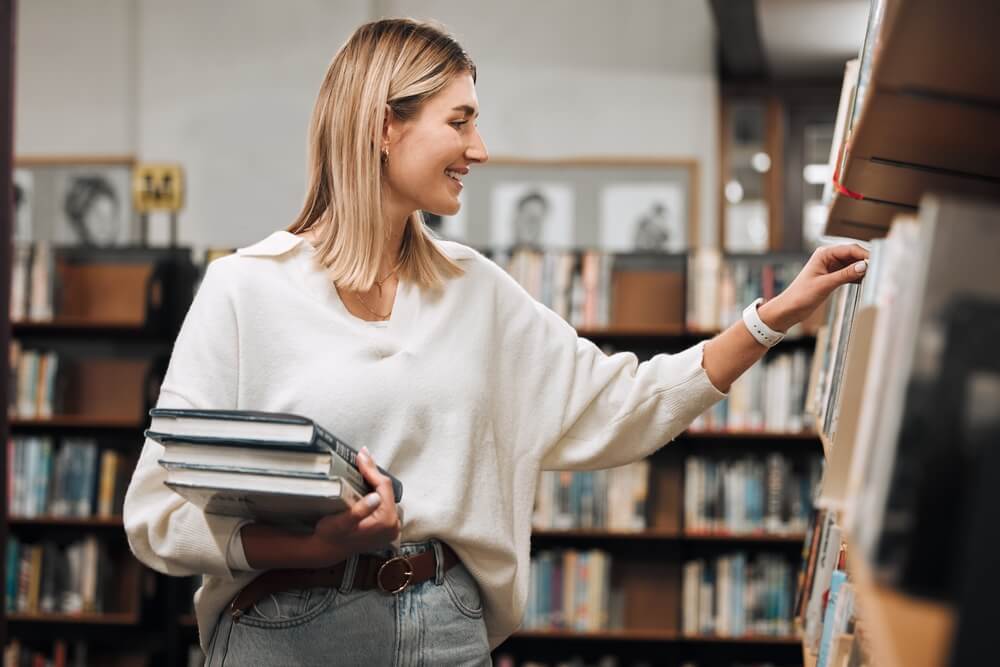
<point>861,266</point>
<point>373,499</point>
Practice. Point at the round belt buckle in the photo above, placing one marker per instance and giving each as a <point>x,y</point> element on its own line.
<point>407,573</point>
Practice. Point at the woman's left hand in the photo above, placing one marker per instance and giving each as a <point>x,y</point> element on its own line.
<point>827,269</point>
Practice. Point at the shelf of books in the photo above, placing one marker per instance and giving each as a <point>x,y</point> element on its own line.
<point>91,331</point>
<point>905,388</point>
<point>689,555</point>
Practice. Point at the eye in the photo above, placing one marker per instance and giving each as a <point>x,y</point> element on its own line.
<point>457,124</point>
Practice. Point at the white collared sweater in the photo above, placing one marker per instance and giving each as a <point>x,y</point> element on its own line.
<point>465,394</point>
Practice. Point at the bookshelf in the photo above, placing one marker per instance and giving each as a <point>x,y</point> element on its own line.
<point>113,314</point>
<point>646,572</point>
<point>927,122</point>
<point>917,174</point>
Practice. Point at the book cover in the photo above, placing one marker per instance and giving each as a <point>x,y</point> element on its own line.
<point>301,508</point>
<point>248,428</point>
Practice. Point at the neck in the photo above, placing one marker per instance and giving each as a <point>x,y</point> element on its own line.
<point>396,214</point>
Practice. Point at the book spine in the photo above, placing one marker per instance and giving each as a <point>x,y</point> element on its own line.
<point>350,455</point>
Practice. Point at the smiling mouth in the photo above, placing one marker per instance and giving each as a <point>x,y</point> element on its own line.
<point>454,175</point>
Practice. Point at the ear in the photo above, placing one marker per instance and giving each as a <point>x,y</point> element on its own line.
<point>389,129</point>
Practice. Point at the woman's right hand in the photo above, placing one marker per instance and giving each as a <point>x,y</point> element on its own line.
<point>372,524</point>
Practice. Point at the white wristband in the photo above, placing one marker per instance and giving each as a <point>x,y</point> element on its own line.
<point>762,333</point>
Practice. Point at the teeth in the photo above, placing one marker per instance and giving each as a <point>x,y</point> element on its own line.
<point>453,174</point>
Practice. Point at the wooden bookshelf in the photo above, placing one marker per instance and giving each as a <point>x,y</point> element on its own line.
<point>70,326</point>
<point>803,436</point>
<point>652,636</point>
<point>67,521</point>
<point>929,122</point>
<point>901,630</point>
<point>89,618</point>
<point>666,535</point>
<point>107,298</point>
<point>64,422</point>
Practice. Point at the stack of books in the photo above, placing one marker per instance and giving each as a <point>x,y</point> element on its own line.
<point>276,468</point>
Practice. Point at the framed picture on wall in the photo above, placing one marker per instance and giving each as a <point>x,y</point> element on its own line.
<point>534,215</point>
<point>608,204</point>
<point>23,181</point>
<point>80,200</point>
<point>645,217</point>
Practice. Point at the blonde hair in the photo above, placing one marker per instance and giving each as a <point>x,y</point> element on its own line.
<point>402,63</point>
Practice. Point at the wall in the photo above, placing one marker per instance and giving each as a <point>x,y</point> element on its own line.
<point>227,87</point>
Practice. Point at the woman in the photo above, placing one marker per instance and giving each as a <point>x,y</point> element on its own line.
<point>428,354</point>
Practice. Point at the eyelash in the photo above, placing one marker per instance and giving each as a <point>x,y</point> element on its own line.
<point>457,124</point>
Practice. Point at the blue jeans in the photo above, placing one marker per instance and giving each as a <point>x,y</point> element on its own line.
<point>437,622</point>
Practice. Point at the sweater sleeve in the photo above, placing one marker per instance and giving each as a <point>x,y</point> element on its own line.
<point>164,530</point>
<point>579,408</point>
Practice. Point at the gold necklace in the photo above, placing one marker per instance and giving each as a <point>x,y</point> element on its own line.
<point>379,283</point>
<point>372,311</point>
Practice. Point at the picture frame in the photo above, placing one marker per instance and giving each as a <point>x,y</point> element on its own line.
<point>76,200</point>
<point>580,203</point>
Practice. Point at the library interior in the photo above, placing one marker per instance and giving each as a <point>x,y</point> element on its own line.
<point>202,474</point>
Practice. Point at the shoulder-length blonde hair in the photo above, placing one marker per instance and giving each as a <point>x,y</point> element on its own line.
<point>402,63</point>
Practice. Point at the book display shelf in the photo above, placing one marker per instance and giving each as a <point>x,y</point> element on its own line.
<point>908,495</point>
<point>618,563</point>
<point>91,332</point>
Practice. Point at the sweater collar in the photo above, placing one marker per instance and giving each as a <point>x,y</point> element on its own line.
<point>281,242</point>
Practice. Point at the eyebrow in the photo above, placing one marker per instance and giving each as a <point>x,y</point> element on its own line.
<point>467,110</point>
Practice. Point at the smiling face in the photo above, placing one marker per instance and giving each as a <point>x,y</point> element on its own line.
<point>431,153</point>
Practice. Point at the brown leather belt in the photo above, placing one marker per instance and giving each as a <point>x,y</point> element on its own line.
<point>389,575</point>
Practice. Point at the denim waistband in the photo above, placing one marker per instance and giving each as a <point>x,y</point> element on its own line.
<point>405,549</point>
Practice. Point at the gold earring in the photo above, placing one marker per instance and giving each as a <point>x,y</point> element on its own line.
<point>385,154</point>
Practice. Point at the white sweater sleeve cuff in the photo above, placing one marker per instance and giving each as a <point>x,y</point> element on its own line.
<point>236,557</point>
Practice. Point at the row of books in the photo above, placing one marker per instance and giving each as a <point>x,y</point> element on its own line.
<point>32,282</point>
<point>612,499</point>
<point>823,553</point>
<point>838,620</point>
<point>16,655</point>
<point>50,578</point>
<point>571,590</point>
<point>825,601</point>
<point>857,76</point>
<point>71,479</point>
<point>771,494</point>
<point>912,407</point>
<point>770,396</point>
<point>577,286</point>
<point>507,660</point>
<point>580,286</point>
<point>832,348</point>
<point>32,390</point>
<point>66,653</point>
<point>734,596</point>
<point>720,287</point>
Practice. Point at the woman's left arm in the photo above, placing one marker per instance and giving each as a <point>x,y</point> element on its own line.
<point>731,353</point>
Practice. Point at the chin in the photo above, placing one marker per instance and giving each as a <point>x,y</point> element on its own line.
<point>444,208</point>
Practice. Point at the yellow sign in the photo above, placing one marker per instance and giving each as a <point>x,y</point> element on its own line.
<point>158,187</point>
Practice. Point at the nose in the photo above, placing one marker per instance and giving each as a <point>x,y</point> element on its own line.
<point>476,150</point>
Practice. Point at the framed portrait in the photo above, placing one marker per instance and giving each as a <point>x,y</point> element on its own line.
<point>78,201</point>
<point>22,205</point>
<point>607,204</point>
<point>531,214</point>
<point>644,217</point>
